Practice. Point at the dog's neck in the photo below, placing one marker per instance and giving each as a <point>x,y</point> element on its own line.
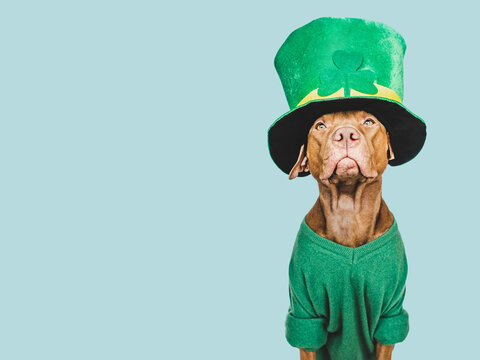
<point>351,215</point>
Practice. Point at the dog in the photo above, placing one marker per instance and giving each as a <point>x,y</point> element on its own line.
<point>347,153</point>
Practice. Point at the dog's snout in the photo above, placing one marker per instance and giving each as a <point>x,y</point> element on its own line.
<point>346,137</point>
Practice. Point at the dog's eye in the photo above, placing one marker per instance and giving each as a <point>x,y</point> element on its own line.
<point>320,125</point>
<point>369,122</point>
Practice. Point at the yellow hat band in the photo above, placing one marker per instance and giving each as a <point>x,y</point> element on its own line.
<point>383,92</point>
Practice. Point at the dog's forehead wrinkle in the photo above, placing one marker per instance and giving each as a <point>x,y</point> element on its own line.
<point>344,116</point>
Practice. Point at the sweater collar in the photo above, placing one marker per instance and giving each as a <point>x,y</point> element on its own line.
<point>348,252</point>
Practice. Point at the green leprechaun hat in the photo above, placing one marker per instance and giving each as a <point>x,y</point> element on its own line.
<point>340,64</point>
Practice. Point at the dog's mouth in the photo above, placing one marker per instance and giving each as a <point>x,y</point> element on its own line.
<point>347,166</point>
<point>347,170</point>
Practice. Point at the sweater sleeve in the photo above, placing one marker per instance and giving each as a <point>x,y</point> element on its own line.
<point>393,324</point>
<point>305,328</point>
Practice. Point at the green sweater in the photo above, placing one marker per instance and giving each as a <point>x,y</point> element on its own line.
<point>344,299</point>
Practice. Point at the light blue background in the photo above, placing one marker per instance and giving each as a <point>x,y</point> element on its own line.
<point>141,214</point>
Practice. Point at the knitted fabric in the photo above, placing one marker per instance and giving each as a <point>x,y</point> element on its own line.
<point>344,299</point>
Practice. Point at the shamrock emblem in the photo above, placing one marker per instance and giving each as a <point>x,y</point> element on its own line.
<point>347,75</point>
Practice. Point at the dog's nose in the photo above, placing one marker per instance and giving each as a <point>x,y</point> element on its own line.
<point>346,137</point>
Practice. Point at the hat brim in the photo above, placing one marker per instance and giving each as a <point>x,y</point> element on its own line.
<point>286,135</point>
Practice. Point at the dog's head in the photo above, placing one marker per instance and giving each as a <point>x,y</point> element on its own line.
<point>345,146</point>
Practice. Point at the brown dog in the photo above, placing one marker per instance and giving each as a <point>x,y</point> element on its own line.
<point>347,153</point>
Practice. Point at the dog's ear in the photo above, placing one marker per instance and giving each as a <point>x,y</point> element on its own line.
<point>390,153</point>
<point>300,165</point>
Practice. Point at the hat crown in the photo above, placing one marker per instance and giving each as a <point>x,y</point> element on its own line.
<point>329,54</point>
